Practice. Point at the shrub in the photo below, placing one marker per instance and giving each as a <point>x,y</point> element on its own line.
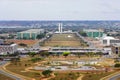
<point>117,65</point>
<point>47,73</point>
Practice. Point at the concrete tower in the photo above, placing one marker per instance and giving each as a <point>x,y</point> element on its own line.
<point>60,27</point>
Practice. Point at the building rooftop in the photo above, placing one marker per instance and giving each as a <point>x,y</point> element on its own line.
<point>93,30</point>
<point>110,38</point>
<point>32,31</point>
<point>13,44</point>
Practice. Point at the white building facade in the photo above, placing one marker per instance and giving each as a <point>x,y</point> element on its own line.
<point>8,49</point>
<point>107,41</point>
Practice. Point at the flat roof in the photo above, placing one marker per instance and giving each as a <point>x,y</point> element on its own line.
<point>109,38</point>
<point>13,44</point>
<point>32,31</point>
<point>93,30</point>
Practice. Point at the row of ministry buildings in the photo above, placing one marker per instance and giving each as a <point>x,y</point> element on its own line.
<point>30,34</point>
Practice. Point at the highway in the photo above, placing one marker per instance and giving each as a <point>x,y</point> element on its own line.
<point>2,63</point>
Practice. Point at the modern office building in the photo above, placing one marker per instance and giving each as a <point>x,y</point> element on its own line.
<point>29,34</point>
<point>60,28</point>
<point>94,33</point>
<point>8,49</point>
<point>107,41</point>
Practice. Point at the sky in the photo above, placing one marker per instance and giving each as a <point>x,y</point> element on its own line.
<point>59,9</point>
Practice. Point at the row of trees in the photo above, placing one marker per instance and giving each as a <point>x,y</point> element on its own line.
<point>65,54</point>
<point>35,59</point>
<point>40,36</point>
<point>83,34</point>
<point>89,54</point>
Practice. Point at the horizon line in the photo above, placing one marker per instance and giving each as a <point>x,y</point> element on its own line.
<point>58,20</point>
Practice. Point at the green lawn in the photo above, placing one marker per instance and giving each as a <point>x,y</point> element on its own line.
<point>64,40</point>
<point>66,76</point>
<point>19,68</point>
<point>97,76</point>
<point>75,75</point>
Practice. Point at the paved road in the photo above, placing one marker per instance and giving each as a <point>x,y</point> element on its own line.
<point>9,75</point>
<point>115,77</point>
<point>91,45</point>
<point>2,63</point>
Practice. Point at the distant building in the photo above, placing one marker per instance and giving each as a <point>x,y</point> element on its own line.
<point>107,41</point>
<point>107,50</point>
<point>1,41</point>
<point>116,48</point>
<point>5,35</point>
<point>29,34</point>
<point>74,50</point>
<point>8,49</point>
<point>60,29</point>
<point>94,33</point>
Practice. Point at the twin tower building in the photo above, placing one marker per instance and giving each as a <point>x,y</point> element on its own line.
<point>60,28</point>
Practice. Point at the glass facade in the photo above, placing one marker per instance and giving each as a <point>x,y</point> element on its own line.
<point>29,34</point>
<point>19,35</point>
<point>33,36</point>
<point>94,34</point>
<point>26,36</point>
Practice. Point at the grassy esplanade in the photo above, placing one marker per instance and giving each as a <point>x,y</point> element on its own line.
<point>67,39</point>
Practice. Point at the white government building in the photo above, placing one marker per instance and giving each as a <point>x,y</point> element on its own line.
<point>60,29</point>
<point>108,40</point>
<point>8,49</point>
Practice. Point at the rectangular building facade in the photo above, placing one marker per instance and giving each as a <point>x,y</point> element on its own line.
<point>8,49</point>
<point>29,34</point>
<point>94,33</point>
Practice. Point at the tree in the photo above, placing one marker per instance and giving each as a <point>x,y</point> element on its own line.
<point>46,73</point>
<point>83,33</point>
<point>32,54</point>
<point>66,54</point>
<point>35,59</point>
<point>40,36</point>
<point>100,53</point>
<point>119,55</point>
<point>90,54</point>
<point>78,54</point>
<point>43,54</point>
<point>117,65</point>
<point>22,44</point>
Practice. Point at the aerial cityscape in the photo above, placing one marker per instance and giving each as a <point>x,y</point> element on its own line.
<point>50,40</point>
